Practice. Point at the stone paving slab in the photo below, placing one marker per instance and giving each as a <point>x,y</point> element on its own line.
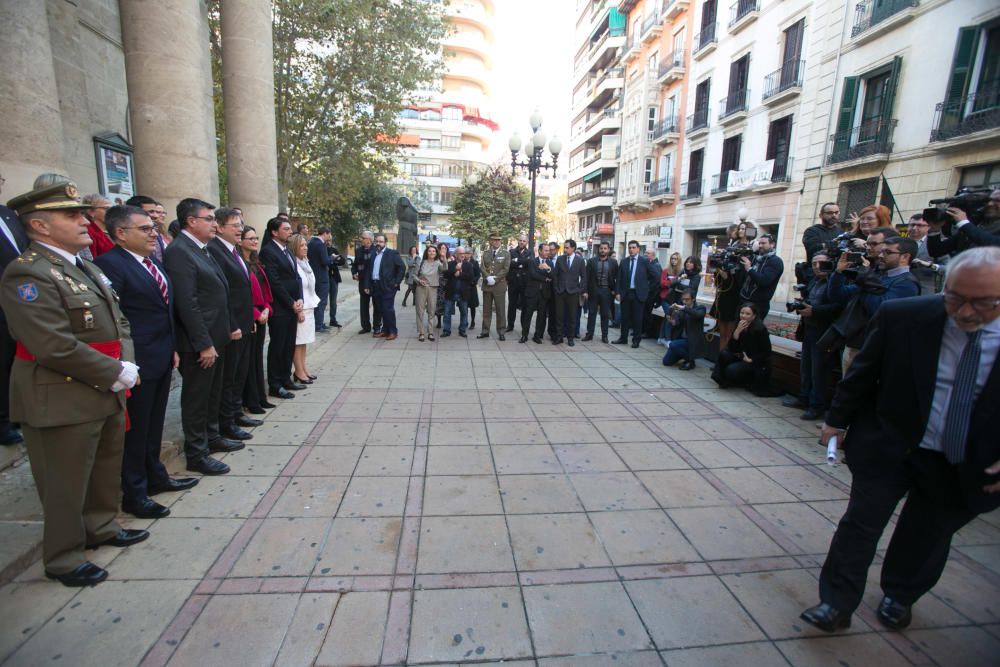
<point>470,501</point>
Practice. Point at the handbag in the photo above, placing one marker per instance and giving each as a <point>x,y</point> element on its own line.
<point>411,279</point>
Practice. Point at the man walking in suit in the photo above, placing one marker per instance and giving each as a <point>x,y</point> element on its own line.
<point>286,287</point>
<point>363,254</point>
<point>537,294</point>
<point>459,283</point>
<point>146,299</point>
<point>383,276</point>
<point>496,263</point>
<point>321,263</point>
<point>918,408</point>
<point>602,279</point>
<point>13,241</point>
<point>236,359</point>
<point>569,282</point>
<point>336,261</point>
<point>520,260</point>
<point>636,279</point>
<point>203,330</point>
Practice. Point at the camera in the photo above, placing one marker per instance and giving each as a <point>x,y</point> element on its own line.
<point>796,305</point>
<point>728,259</point>
<point>970,200</point>
<point>839,244</point>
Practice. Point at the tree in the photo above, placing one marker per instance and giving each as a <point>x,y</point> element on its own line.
<point>492,202</point>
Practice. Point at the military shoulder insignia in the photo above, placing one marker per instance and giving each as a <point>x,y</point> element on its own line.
<point>27,292</point>
<point>56,273</point>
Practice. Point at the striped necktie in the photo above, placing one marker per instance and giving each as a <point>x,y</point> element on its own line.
<point>160,282</point>
<point>963,394</point>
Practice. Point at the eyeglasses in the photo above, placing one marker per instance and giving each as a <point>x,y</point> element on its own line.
<point>206,218</point>
<point>249,238</point>
<point>145,229</point>
<point>888,252</point>
<point>980,305</point>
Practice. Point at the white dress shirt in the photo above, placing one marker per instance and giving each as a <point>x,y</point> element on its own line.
<point>201,246</point>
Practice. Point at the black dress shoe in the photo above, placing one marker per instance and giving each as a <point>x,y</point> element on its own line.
<point>463,334</point>
<point>224,445</point>
<point>256,411</point>
<point>336,324</point>
<point>125,537</point>
<point>281,392</point>
<point>569,341</point>
<point>686,366</point>
<point>826,618</point>
<point>445,334</point>
<point>537,339</point>
<point>302,381</point>
<point>208,466</point>
<point>243,420</point>
<point>364,331</point>
<point>811,415</point>
<point>524,339</point>
<point>268,405</point>
<point>178,484</point>
<point>621,341</point>
<point>509,329</point>
<point>894,614</point>
<point>147,508</point>
<point>604,339</point>
<point>86,574</point>
<point>635,343</point>
<point>587,337</point>
<point>294,386</point>
<point>501,337</point>
<point>11,436</point>
<point>793,402</point>
<point>234,433</point>
<point>557,340</point>
<point>483,336</point>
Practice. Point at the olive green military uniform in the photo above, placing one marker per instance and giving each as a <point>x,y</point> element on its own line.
<point>73,424</point>
<point>495,263</point>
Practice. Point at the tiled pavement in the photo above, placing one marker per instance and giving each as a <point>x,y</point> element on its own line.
<point>477,501</point>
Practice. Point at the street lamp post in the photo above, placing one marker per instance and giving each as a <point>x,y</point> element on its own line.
<point>533,163</point>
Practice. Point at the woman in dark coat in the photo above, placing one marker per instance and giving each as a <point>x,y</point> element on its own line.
<point>255,389</point>
<point>746,361</point>
<point>444,252</point>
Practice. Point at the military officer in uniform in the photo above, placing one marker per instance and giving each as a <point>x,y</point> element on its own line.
<point>72,367</point>
<point>496,263</point>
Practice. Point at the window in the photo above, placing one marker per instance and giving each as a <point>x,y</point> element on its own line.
<point>451,141</point>
<point>864,123</point>
<point>447,197</point>
<point>429,114</point>
<point>739,72</point>
<point>651,114</point>
<point>981,176</point>
<point>653,63</point>
<point>708,17</point>
<point>647,172</point>
<point>669,113</point>
<point>695,164</point>
<point>409,114</point>
<point>731,148</point>
<point>972,99</point>
<point>701,94</point>
<point>428,143</point>
<point>452,113</point>
<point>636,30</point>
<point>779,139</point>
<point>855,195</point>
<point>663,168</point>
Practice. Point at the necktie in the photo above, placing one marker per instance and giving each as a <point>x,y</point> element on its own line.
<point>160,282</point>
<point>291,261</point>
<point>631,283</point>
<point>239,260</point>
<point>963,392</point>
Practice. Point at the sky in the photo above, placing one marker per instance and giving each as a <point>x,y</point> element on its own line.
<point>532,67</point>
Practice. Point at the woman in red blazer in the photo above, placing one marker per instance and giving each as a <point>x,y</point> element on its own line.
<point>255,390</point>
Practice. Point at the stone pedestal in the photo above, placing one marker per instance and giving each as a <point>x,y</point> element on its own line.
<point>248,93</point>
<point>169,71</point>
<point>31,134</point>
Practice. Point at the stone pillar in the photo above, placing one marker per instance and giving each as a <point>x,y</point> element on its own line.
<point>169,71</point>
<point>248,93</point>
<point>31,132</point>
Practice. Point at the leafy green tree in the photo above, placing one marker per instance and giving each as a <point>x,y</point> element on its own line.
<point>493,202</point>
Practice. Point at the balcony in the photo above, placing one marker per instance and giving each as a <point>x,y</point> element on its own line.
<point>733,108</point>
<point>635,197</point>
<point>691,192</point>
<point>672,69</point>
<point>785,83</point>
<point>742,14</point>
<point>651,28</point>
<point>962,119</point>
<point>666,132</point>
<point>674,9</point>
<point>873,17</point>
<point>781,177</point>
<point>720,186</point>
<point>869,142</point>
<point>705,41</point>
<point>590,199</point>
<point>632,49</point>
<point>697,123</point>
<point>659,191</point>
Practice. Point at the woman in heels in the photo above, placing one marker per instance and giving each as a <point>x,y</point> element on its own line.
<point>306,331</point>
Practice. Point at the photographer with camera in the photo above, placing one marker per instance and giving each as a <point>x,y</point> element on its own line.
<point>928,270</point>
<point>762,275</point>
<point>687,326</point>
<point>888,277</point>
<point>728,277</point>
<point>970,219</point>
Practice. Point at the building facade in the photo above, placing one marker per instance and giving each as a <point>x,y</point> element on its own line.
<point>448,136</point>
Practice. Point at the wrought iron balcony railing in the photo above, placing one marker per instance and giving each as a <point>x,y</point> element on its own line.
<point>660,187</point>
<point>735,103</point>
<point>965,115</point>
<point>598,192</point>
<point>698,120</point>
<point>789,76</point>
<point>871,137</point>
<point>691,190</point>
<point>666,126</point>
<point>720,182</point>
<point>873,12</point>
<point>705,37</point>
<point>740,9</point>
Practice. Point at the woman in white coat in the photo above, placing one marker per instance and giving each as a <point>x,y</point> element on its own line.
<point>306,332</point>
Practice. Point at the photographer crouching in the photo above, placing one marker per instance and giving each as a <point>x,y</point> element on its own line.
<point>970,219</point>
<point>762,275</point>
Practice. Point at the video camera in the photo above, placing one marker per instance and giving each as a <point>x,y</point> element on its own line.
<point>728,259</point>
<point>970,200</point>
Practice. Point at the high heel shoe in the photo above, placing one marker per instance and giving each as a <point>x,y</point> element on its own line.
<point>311,376</point>
<point>301,381</point>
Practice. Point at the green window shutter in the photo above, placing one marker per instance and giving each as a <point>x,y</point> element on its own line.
<point>845,117</point>
<point>890,89</point>
<point>961,66</point>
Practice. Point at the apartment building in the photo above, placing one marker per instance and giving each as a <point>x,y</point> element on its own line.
<point>593,149</point>
<point>656,60</point>
<point>448,136</point>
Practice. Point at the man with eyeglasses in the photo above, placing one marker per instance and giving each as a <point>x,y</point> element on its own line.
<point>146,297</point>
<point>158,216</point>
<point>928,270</point>
<point>916,414</point>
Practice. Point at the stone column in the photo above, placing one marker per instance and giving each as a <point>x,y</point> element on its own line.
<point>169,71</point>
<point>31,132</point>
<point>248,94</point>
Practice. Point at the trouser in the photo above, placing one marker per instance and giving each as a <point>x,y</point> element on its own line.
<point>425,299</point>
<point>279,352</point>
<point>201,395</point>
<point>77,471</point>
<point>677,349</point>
<point>141,465</point>
<point>847,358</point>
<point>255,388</point>
<point>918,551</point>
<point>236,366</point>
<point>599,302</point>
<point>370,312</point>
<point>323,292</point>
<point>334,288</point>
<point>731,371</point>
<point>632,308</point>
<point>385,300</point>
<point>550,314</point>
<point>814,370</point>
<point>410,289</point>
<point>7,347</point>
<point>536,304</point>
<point>493,302</point>
<point>449,310</point>
<point>567,307</point>
<point>515,297</point>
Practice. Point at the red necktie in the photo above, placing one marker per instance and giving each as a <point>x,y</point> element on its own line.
<point>160,282</point>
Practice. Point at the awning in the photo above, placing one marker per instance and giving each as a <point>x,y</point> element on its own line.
<point>592,175</point>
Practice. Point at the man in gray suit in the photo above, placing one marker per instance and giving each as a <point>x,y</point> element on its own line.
<point>569,280</point>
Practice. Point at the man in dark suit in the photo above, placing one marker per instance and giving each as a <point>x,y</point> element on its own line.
<point>517,279</point>
<point>918,407</point>
<point>286,287</point>
<point>364,252</point>
<point>537,294</point>
<point>569,282</point>
<point>336,261</point>
<point>13,241</point>
<point>602,279</point>
<point>317,250</point>
<point>203,330</point>
<point>383,275</point>
<point>236,359</point>
<point>460,281</point>
<point>636,280</point>
<point>146,299</point>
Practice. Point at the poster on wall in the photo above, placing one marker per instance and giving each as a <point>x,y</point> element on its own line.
<point>115,171</point>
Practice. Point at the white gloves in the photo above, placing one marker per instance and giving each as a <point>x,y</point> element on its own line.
<point>491,280</point>
<point>127,378</point>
